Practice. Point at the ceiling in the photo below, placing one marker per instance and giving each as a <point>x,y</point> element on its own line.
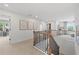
<point>42,10</point>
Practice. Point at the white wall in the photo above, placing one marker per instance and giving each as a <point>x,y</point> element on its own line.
<point>16,35</point>
<point>77,23</point>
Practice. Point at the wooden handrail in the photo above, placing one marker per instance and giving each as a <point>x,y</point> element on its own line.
<point>52,46</point>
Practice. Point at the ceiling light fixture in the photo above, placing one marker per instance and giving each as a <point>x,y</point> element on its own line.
<point>6,5</point>
<point>36,16</point>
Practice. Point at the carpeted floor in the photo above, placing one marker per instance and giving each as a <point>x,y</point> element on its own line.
<point>65,43</point>
<point>21,48</point>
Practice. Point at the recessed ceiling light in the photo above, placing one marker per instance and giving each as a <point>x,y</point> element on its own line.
<point>6,5</point>
<point>36,16</point>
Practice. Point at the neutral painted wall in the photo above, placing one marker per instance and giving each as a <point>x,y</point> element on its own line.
<point>77,23</point>
<point>16,35</point>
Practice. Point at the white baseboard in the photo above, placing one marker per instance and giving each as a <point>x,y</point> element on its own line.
<point>17,41</point>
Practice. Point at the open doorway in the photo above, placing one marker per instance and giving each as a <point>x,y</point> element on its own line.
<point>4,28</point>
<point>4,31</point>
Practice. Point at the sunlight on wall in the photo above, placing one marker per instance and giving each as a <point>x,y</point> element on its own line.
<point>42,26</point>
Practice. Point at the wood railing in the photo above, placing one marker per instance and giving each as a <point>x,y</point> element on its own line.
<point>52,46</point>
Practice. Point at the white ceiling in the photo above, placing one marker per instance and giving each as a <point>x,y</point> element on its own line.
<point>43,10</point>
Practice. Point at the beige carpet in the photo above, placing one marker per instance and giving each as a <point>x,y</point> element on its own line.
<point>21,48</point>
